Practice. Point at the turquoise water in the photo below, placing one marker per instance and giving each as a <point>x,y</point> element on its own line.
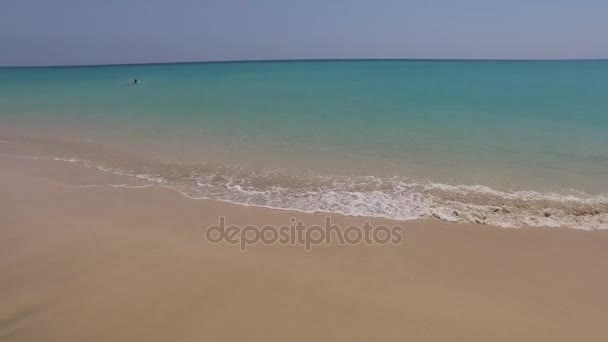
<point>400,139</point>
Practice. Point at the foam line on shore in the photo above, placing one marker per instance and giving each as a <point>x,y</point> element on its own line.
<point>392,198</point>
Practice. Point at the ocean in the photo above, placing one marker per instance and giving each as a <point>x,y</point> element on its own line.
<point>507,143</point>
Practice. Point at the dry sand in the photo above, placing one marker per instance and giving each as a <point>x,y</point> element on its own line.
<point>118,264</point>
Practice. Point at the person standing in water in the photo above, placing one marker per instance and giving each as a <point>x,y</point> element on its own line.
<point>136,81</point>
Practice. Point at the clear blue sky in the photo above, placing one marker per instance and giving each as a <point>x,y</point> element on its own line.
<point>43,32</point>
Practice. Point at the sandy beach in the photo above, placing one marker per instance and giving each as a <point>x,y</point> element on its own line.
<point>132,264</point>
<point>236,171</point>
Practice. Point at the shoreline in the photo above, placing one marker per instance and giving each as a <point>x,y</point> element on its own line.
<point>390,197</point>
<point>132,264</point>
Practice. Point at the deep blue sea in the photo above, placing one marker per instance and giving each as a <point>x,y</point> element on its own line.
<point>510,143</point>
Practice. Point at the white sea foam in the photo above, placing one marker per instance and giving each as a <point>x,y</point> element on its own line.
<point>90,186</point>
<point>394,198</point>
<point>151,178</point>
<point>71,160</point>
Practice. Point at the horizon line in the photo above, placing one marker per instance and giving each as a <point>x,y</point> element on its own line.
<point>287,60</point>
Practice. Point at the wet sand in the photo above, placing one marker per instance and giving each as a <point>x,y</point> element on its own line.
<point>123,264</point>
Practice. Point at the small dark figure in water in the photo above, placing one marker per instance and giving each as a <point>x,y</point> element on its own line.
<point>136,81</point>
